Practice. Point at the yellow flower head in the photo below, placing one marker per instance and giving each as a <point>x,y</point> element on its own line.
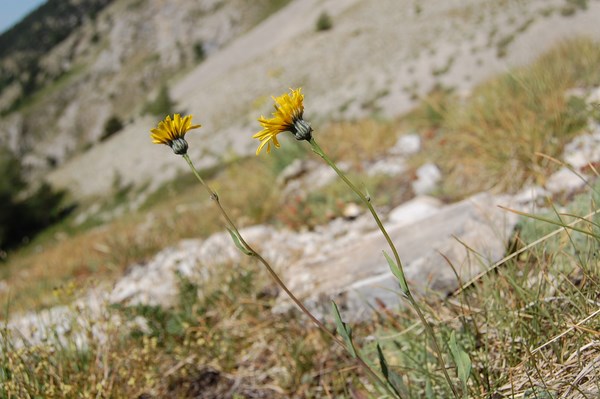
<point>287,117</point>
<point>172,131</point>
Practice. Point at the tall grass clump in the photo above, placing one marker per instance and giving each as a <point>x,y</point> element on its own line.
<point>492,139</point>
<point>324,22</point>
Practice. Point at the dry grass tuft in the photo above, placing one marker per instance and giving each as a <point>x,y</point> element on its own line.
<point>490,140</point>
<point>357,142</point>
<point>575,376</point>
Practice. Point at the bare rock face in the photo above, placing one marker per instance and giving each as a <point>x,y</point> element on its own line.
<point>344,259</point>
<point>564,180</point>
<point>418,208</point>
<point>466,235</point>
<point>581,156</point>
<point>85,317</point>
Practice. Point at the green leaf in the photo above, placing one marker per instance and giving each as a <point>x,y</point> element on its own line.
<point>238,243</point>
<point>391,377</point>
<point>461,358</point>
<point>398,272</point>
<point>429,390</point>
<point>382,362</point>
<point>174,326</point>
<point>344,330</point>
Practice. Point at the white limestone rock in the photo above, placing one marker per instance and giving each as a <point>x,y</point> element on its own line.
<point>408,144</point>
<point>358,274</point>
<point>428,177</point>
<point>583,149</point>
<point>391,166</point>
<point>565,180</point>
<point>414,210</point>
<point>530,195</point>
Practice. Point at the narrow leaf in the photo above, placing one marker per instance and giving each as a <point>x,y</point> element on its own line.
<point>391,377</point>
<point>382,362</point>
<point>238,243</point>
<point>429,390</point>
<point>398,272</point>
<point>461,358</point>
<point>344,330</point>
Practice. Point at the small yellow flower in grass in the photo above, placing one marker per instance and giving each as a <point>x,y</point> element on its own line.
<point>172,131</point>
<point>287,117</point>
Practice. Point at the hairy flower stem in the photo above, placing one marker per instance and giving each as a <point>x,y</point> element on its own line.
<point>213,196</point>
<point>413,302</point>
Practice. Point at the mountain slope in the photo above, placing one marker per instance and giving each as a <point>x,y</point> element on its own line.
<point>380,57</point>
<point>24,44</point>
<point>104,63</point>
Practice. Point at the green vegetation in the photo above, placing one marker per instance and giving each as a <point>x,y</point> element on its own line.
<point>199,52</point>
<point>27,101</point>
<point>526,329</point>
<point>162,104</point>
<point>572,6</point>
<point>269,7</point>
<point>24,210</point>
<point>111,126</point>
<point>324,22</point>
<point>445,68</point>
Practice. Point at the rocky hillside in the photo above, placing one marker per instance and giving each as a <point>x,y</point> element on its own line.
<point>70,67</point>
<point>378,58</point>
<point>23,46</point>
<point>222,60</point>
<point>178,306</point>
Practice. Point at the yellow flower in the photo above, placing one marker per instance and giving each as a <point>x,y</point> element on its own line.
<point>172,131</point>
<point>287,117</point>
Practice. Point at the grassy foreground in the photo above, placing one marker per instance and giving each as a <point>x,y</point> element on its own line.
<point>530,328</point>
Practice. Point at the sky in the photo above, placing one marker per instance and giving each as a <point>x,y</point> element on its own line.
<point>12,11</point>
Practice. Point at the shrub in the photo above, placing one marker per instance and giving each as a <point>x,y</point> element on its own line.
<point>324,22</point>
<point>22,216</point>
<point>199,52</point>
<point>111,126</point>
<point>162,105</point>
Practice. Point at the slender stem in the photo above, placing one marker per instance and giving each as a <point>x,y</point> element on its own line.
<point>275,276</point>
<point>367,201</point>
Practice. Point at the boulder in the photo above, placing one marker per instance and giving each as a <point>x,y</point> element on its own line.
<point>460,238</point>
<point>414,210</point>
